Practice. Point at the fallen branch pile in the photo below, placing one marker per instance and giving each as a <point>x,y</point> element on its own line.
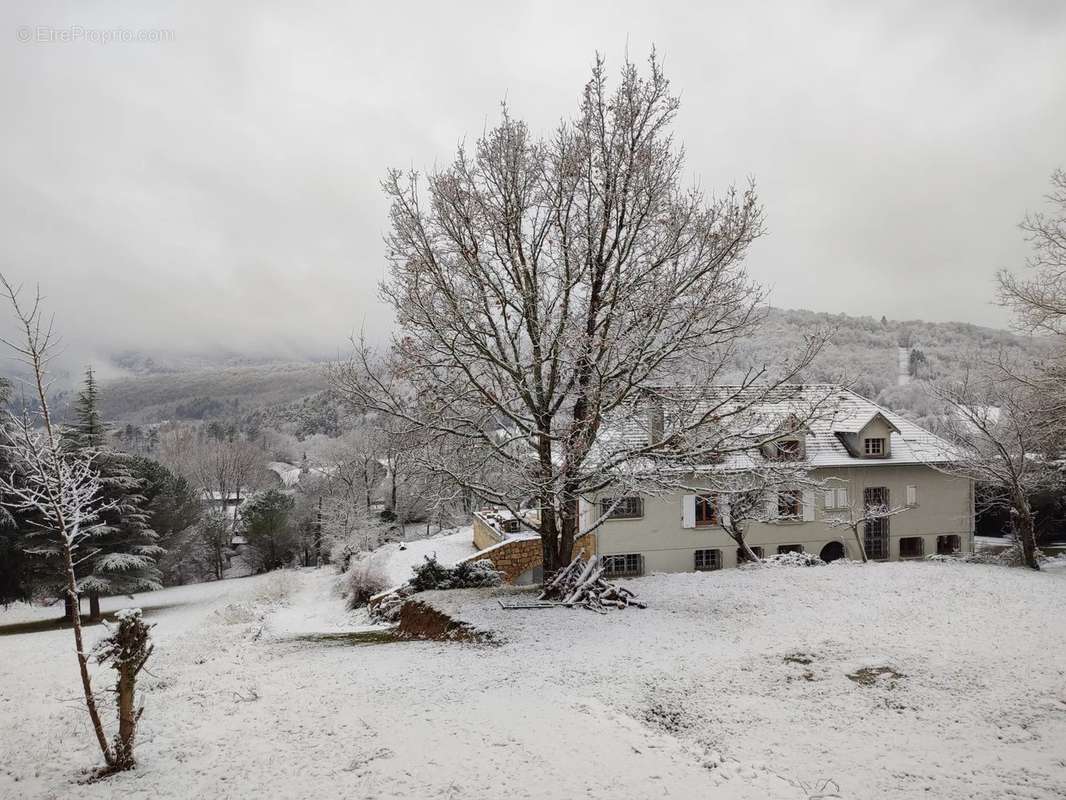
<point>581,583</point>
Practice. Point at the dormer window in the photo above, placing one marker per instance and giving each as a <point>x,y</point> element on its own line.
<point>874,447</point>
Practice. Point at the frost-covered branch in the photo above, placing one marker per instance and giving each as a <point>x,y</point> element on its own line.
<point>60,489</point>
<point>551,296</point>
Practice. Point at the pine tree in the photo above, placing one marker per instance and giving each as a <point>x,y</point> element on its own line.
<point>16,565</point>
<point>90,430</point>
<point>125,549</point>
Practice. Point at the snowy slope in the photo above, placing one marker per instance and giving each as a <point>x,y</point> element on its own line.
<point>448,548</point>
<point>731,685</point>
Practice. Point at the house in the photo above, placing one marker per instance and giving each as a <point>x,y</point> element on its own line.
<point>852,455</point>
<point>227,504</point>
<point>856,456</point>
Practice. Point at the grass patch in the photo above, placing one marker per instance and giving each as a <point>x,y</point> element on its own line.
<point>353,638</point>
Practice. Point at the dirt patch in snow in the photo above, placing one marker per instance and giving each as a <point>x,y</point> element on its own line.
<point>420,620</point>
<point>876,676</point>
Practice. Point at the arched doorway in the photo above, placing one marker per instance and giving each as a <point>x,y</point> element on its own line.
<point>832,552</point>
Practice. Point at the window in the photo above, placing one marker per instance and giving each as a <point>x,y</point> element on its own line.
<point>790,504</point>
<point>874,447</point>
<point>836,498</point>
<point>624,565</point>
<point>875,533</point>
<point>911,547</point>
<point>789,548</point>
<point>706,511</point>
<point>742,557</point>
<point>510,526</point>
<point>788,450</point>
<point>707,560</point>
<point>912,495</point>
<point>622,507</point>
<point>948,545</point>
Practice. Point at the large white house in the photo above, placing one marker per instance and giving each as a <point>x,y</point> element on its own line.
<point>858,456</point>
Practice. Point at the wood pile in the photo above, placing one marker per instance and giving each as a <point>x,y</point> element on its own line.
<point>581,583</point>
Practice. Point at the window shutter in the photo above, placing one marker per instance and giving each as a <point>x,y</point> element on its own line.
<point>912,495</point>
<point>830,498</point>
<point>808,505</point>
<point>842,498</point>
<point>688,511</point>
<point>723,509</point>
<point>771,505</point>
<point>584,514</point>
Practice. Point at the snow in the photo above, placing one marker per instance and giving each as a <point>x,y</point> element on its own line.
<point>448,548</point>
<point>733,684</point>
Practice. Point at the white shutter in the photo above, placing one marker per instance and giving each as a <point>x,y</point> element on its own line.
<point>584,514</point>
<point>842,498</point>
<point>688,511</point>
<point>830,498</point>
<point>771,505</point>
<point>808,505</point>
<point>912,495</point>
<point>723,509</point>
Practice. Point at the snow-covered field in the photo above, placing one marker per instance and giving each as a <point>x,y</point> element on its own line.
<point>732,684</point>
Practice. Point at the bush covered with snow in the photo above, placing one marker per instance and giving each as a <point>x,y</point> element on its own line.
<point>789,560</point>
<point>465,575</point>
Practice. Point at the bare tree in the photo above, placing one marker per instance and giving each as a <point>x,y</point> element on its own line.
<point>859,521</point>
<point>224,470</point>
<point>1002,435</point>
<point>752,496</point>
<point>1039,304</point>
<point>1040,301</point>
<point>543,288</point>
<point>61,490</point>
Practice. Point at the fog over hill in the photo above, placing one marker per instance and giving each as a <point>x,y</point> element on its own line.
<point>864,353</point>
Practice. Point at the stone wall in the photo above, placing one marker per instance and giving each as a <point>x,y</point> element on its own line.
<point>518,555</point>
<point>485,535</point>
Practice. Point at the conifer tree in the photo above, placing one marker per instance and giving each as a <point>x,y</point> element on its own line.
<point>125,548</point>
<point>90,430</point>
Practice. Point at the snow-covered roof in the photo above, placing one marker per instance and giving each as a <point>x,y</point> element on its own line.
<point>289,474</point>
<point>826,410</point>
<point>858,422</point>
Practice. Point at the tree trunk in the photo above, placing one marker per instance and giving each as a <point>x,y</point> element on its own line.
<point>94,606</point>
<point>549,539</point>
<point>69,608</point>
<point>736,533</point>
<point>568,531</point>
<point>859,541</point>
<point>83,661</point>
<point>1025,531</point>
<point>127,717</point>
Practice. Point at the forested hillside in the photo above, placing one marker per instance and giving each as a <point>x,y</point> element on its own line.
<point>864,353</point>
<point>208,393</point>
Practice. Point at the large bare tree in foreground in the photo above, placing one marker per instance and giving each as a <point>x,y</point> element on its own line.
<point>61,490</point>
<point>544,287</point>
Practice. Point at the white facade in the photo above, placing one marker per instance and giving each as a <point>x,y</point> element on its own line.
<point>860,456</point>
<point>667,541</point>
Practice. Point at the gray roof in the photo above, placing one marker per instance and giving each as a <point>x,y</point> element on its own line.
<point>827,413</point>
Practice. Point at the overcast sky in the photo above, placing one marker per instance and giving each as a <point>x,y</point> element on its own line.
<point>221,188</point>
